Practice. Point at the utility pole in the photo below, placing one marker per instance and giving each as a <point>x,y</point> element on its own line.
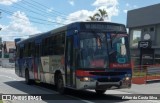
<point>1,45</point>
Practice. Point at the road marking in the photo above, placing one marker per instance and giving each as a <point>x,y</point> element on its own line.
<point>83,100</point>
<point>86,101</point>
<point>8,77</point>
<point>154,101</point>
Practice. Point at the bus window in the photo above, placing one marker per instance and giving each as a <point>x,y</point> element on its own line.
<point>119,54</point>
<point>93,50</point>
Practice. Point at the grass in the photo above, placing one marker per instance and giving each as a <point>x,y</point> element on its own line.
<point>139,74</point>
<point>1,101</point>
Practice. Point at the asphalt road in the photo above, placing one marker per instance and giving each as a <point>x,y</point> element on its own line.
<point>12,84</point>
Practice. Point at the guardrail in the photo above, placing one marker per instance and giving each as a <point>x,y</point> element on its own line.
<point>148,72</point>
<point>153,71</point>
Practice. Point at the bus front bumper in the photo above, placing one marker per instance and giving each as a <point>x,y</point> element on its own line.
<point>103,85</point>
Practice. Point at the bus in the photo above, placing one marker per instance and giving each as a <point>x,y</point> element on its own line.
<point>80,56</point>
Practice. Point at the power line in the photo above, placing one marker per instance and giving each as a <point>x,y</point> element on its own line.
<point>10,13</point>
<point>44,6</point>
<point>41,14</point>
<point>40,8</point>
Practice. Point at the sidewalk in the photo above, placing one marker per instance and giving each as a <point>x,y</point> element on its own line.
<point>150,88</point>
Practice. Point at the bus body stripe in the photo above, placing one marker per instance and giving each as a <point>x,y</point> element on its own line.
<point>85,73</point>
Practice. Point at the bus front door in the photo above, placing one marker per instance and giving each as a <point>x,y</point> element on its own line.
<point>69,61</point>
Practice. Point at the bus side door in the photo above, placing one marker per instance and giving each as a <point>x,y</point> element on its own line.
<point>37,62</point>
<point>69,61</point>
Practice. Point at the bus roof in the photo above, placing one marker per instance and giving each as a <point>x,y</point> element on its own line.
<point>63,28</point>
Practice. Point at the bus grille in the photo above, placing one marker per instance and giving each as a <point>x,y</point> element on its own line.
<point>107,73</point>
<point>108,80</point>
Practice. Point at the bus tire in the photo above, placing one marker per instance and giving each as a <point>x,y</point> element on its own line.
<point>60,84</point>
<point>27,79</point>
<point>98,91</point>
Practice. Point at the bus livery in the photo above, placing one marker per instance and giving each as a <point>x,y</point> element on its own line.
<point>80,55</point>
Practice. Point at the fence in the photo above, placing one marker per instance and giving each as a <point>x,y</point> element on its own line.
<point>148,72</point>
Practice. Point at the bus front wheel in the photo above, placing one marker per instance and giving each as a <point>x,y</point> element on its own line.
<point>60,84</point>
<point>100,91</point>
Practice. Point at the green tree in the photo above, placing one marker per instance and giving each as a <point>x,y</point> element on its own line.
<point>101,15</point>
<point>92,18</point>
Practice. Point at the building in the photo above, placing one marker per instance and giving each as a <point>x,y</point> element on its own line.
<point>144,32</point>
<point>0,50</point>
<point>8,54</point>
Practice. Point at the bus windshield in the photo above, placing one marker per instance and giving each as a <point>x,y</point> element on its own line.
<point>93,50</point>
<point>119,49</point>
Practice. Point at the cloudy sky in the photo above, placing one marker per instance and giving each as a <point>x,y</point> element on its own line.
<point>21,18</point>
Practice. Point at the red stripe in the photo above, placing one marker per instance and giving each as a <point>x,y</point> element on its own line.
<point>84,73</point>
<point>35,70</point>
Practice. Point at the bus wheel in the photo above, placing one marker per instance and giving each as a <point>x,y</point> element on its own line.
<point>100,91</point>
<point>60,84</point>
<point>27,80</point>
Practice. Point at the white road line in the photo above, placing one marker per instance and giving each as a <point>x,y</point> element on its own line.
<point>8,77</point>
<point>154,101</point>
<point>83,100</point>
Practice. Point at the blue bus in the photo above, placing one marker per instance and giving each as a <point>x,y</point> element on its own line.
<point>80,55</point>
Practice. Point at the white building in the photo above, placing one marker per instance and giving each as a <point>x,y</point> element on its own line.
<point>8,54</point>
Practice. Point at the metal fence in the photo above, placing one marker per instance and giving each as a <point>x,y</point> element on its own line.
<point>149,72</point>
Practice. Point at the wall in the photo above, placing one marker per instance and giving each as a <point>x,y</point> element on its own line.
<point>143,16</point>
<point>5,63</point>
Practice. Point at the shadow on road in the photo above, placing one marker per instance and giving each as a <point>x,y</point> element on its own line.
<point>153,81</point>
<point>49,92</point>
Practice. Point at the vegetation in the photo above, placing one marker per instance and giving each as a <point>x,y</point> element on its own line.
<point>136,40</point>
<point>99,16</point>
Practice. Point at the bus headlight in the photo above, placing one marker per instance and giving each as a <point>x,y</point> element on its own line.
<point>86,79</point>
<point>127,78</point>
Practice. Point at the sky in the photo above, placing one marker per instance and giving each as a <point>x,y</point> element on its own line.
<point>21,18</point>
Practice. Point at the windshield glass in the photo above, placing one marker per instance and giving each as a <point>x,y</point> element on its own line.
<point>93,50</point>
<point>119,50</point>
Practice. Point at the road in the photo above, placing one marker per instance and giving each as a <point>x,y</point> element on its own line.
<point>12,84</point>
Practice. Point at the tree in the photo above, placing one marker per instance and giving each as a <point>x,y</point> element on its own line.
<point>92,18</point>
<point>101,15</point>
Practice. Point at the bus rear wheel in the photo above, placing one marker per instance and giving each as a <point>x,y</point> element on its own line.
<point>60,84</point>
<point>27,80</point>
<point>100,91</point>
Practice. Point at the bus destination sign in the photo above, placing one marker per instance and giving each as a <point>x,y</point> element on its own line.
<point>102,26</point>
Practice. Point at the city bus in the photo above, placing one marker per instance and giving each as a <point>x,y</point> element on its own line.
<point>80,56</point>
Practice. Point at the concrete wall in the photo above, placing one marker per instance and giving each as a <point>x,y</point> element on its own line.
<point>5,63</point>
<point>144,16</point>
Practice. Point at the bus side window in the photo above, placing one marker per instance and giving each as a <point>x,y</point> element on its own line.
<point>45,45</point>
<point>59,43</point>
